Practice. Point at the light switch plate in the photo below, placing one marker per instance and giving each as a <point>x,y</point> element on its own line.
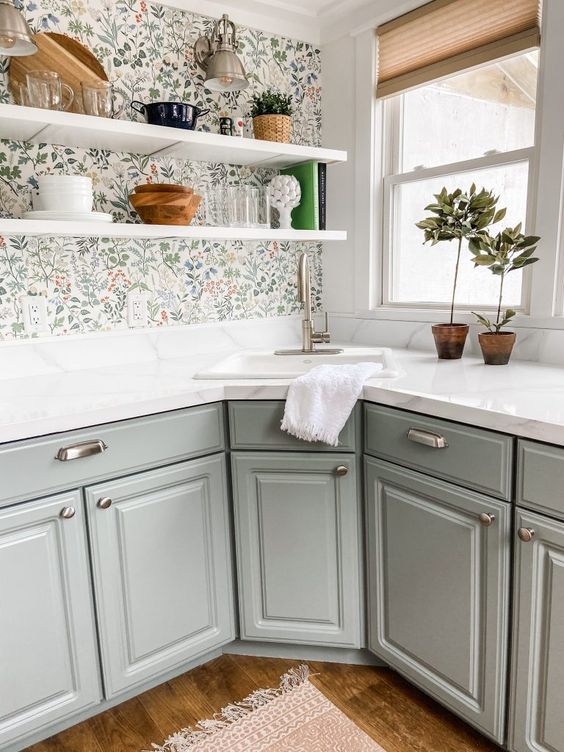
<point>34,313</point>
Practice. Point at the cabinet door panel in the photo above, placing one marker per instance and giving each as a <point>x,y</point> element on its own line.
<point>438,589</point>
<point>537,701</point>
<point>48,662</point>
<point>162,569</point>
<point>298,548</point>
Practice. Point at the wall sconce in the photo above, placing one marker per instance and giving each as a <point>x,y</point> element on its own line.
<point>15,34</point>
<point>217,57</point>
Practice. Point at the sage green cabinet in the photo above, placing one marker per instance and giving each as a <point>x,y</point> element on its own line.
<point>438,584</point>
<point>537,693</point>
<point>298,547</point>
<point>161,561</point>
<point>48,661</point>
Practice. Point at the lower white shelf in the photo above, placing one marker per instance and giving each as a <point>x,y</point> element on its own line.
<point>127,230</point>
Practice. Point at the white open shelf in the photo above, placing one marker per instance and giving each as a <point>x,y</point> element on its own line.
<point>127,230</point>
<point>70,129</point>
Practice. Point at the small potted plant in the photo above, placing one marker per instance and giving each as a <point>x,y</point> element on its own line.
<point>457,216</point>
<point>508,250</point>
<point>272,116</point>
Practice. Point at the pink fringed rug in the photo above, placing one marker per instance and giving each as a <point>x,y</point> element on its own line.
<point>296,717</point>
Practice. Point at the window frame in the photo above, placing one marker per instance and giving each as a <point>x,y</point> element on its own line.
<point>392,175</point>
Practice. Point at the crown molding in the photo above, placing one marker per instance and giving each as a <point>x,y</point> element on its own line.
<point>319,22</point>
<point>273,19</point>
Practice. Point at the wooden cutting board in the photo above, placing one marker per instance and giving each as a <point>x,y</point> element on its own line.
<point>56,52</point>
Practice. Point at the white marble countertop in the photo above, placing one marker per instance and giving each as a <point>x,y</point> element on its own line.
<point>44,387</point>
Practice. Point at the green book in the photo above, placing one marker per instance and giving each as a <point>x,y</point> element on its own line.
<point>306,215</point>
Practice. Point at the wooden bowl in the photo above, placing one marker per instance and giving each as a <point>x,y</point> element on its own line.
<point>165,198</point>
<point>162,188</point>
<point>171,214</point>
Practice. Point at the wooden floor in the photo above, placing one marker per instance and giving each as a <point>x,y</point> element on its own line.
<point>392,712</point>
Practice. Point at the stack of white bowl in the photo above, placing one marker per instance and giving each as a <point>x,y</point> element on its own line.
<point>65,197</point>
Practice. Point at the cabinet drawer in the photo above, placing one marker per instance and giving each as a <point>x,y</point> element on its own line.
<point>471,457</point>
<point>256,425</point>
<point>28,468</point>
<point>540,477</point>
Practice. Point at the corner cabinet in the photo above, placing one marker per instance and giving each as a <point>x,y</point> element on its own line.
<point>438,583</point>
<point>46,617</point>
<point>162,569</point>
<point>537,696</point>
<point>298,547</point>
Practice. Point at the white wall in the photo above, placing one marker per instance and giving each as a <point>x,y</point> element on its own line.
<point>339,119</point>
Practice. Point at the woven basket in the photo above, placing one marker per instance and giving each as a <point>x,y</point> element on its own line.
<point>273,128</point>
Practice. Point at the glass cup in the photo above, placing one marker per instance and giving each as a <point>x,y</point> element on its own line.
<point>262,212</point>
<point>217,214</point>
<point>21,94</point>
<point>100,99</point>
<point>46,90</point>
<point>241,206</point>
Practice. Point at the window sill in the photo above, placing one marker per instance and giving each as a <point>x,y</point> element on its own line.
<point>439,316</point>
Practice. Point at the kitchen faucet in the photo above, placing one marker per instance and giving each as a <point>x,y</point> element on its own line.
<point>310,337</point>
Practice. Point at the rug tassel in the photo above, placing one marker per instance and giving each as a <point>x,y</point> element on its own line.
<point>186,739</point>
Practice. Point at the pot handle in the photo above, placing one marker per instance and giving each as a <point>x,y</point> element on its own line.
<point>138,107</point>
<point>202,113</point>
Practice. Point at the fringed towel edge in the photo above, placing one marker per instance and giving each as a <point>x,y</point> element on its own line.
<point>311,432</point>
<point>186,739</point>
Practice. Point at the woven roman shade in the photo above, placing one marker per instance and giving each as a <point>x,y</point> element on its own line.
<point>444,37</point>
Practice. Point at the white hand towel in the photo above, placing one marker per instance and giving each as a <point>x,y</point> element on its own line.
<point>320,402</point>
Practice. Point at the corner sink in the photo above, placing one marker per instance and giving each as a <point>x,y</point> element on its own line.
<point>264,364</point>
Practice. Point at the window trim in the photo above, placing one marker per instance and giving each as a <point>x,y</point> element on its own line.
<point>390,115</point>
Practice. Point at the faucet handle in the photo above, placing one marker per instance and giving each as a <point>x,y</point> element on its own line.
<point>323,337</point>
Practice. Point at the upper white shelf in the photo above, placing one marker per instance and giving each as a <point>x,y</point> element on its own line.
<point>129,230</point>
<point>70,129</point>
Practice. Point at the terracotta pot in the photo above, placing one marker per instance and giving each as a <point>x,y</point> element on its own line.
<point>450,340</point>
<point>273,128</point>
<point>496,348</point>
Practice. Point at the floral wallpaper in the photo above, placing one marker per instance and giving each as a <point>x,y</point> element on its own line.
<point>146,50</point>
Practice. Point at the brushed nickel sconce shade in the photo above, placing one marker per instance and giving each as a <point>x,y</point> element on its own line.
<point>15,34</point>
<point>217,57</point>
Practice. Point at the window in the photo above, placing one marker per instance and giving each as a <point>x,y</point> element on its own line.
<point>458,80</point>
<point>476,126</point>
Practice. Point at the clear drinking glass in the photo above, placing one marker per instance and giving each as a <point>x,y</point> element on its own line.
<point>263,209</point>
<point>236,206</point>
<point>46,90</point>
<point>100,99</point>
<point>217,212</point>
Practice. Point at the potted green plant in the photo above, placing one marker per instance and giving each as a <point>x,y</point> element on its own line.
<point>272,116</point>
<point>507,251</point>
<point>457,216</point>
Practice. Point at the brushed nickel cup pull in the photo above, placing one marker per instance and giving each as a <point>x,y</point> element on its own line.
<point>526,534</point>
<point>486,519</point>
<point>80,450</point>
<point>104,503</point>
<point>427,438</point>
<point>67,512</point>
<point>341,470</point>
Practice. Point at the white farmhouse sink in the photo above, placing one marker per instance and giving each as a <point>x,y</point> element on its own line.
<point>264,364</point>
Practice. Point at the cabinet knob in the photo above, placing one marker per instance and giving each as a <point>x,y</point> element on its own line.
<point>67,512</point>
<point>341,470</point>
<point>526,534</point>
<point>104,503</point>
<point>486,519</point>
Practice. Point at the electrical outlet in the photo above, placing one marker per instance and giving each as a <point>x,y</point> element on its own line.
<point>137,314</point>
<point>34,313</point>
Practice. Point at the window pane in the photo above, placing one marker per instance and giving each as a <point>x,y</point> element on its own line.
<point>424,273</point>
<point>468,115</point>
